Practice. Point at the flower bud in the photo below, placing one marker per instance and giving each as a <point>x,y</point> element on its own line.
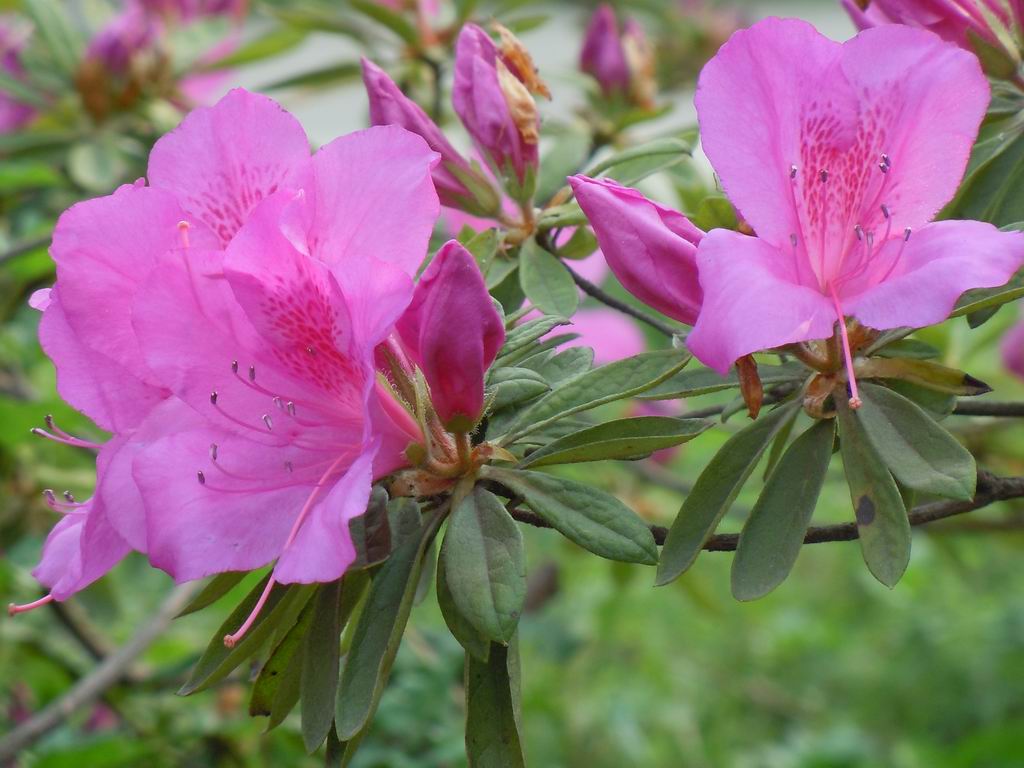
<point>13,113</point>
<point>650,248</point>
<point>497,110</point>
<point>1013,349</point>
<point>622,65</point>
<point>453,332</point>
<point>459,184</point>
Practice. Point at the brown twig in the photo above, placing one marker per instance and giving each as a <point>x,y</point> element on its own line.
<point>608,300</point>
<point>971,407</point>
<point>990,490</point>
<point>106,674</point>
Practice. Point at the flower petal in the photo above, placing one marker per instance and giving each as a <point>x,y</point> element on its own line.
<point>650,248</point>
<point>938,263</point>
<point>752,99</point>
<point>222,160</point>
<point>752,301</point>
<point>374,198</point>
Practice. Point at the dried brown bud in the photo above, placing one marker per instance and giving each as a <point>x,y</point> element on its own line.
<point>519,61</point>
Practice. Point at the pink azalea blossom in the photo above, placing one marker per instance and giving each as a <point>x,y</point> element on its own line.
<point>497,110</point>
<point>610,334</point>
<point>130,33</point>
<point>13,113</point>
<point>1013,349</point>
<point>185,10</point>
<point>453,333</point>
<point>221,322</point>
<point>991,28</point>
<point>602,56</point>
<point>839,156</point>
<point>650,248</point>
<point>459,184</point>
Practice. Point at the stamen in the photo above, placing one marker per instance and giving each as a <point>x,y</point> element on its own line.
<point>886,163</point>
<point>855,401</point>
<point>291,408</point>
<point>311,351</point>
<point>51,499</point>
<point>213,451</point>
<point>859,232</point>
<point>213,397</point>
<point>69,497</point>
<point>13,609</point>
<point>268,422</point>
<point>72,441</point>
<point>792,171</point>
<point>201,477</point>
<point>252,373</point>
<point>885,210</point>
<point>289,467</point>
<point>231,640</point>
<point>823,175</point>
<point>183,227</point>
<point>234,366</point>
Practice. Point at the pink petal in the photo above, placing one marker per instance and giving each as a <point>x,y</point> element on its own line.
<point>611,335</point>
<point>939,263</point>
<point>453,332</point>
<point>222,160</point>
<point>650,248</point>
<point>1013,350</point>
<point>905,76</point>
<point>752,301</point>
<point>752,99</point>
<point>322,548</point>
<point>374,198</point>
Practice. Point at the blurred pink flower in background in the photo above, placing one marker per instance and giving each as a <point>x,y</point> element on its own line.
<point>13,113</point>
<point>1013,349</point>
<point>622,63</point>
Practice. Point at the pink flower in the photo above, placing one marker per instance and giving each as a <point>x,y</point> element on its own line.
<point>839,155</point>
<point>610,334</point>
<point>650,248</point>
<point>128,34</point>
<point>991,28</point>
<point>240,298</point>
<point>458,183</point>
<point>1013,349</point>
<point>623,65</point>
<point>186,10</point>
<point>13,113</point>
<point>453,332</point>
<point>602,56</point>
<point>497,110</point>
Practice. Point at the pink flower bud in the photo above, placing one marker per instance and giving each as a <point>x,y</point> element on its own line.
<point>1013,349</point>
<point>623,65</point>
<point>453,332</point>
<point>602,56</point>
<point>458,183</point>
<point>650,248</point>
<point>498,111</point>
<point>13,114</point>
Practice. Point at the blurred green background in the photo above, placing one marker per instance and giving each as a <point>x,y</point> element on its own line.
<point>831,670</point>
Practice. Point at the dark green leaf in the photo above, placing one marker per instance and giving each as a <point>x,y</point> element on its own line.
<point>546,283</point>
<point>774,533</point>
<point>637,163</point>
<point>704,381</point>
<point>332,75</point>
<point>562,160</point>
<point>919,453</point>
<point>615,381</point>
<point>527,333</point>
<point>379,632</point>
<point>580,244</point>
<point>492,731</point>
<point>562,367</point>
<point>485,565</point>
<point>595,520</point>
<point>273,673</point>
<point>280,611</point>
<point>986,300</point>
<point>716,489</point>
<point>467,635</point>
<point>880,514</point>
<point>909,348</point>
<point>924,373</point>
<point>214,590</point>
<point>320,666</point>
<point>515,385</point>
<point>715,212</point>
<point>371,532</point>
<point>393,20</point>
<point>619,439</point>
<point>275,42</point>
<point>53,27</point>
<point>405,521</point>
<point>938,404</point>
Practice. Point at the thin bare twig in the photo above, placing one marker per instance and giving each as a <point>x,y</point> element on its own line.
<point>608,300</point>
<point>989,408</point>
<point>106,674</point>
<point>990,490</point>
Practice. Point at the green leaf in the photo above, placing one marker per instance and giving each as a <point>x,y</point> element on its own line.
<point>379,632</point>
<point>938,404</point>
<point>625,439</point>
<point>565,215</point>
<point>919,453</point>
<point>97,165</point>
<point>615,381</point>
<point>320,666</point>
<point>275,42</point>
<point>371,532</point>
<point>515,385</point>
<point>581,244</point>
<point>546,283</point>
<point>484,247</point>
<point>485,565</point>
<point>527,333</point>
<point>492,730</point>
<point>984,300</point>
<point>386,17</point>
<point>405,521</point>
<point>467,635</point>
<point>276,690</point>
<point>563,366</point>
<point>53,27</point>
<point>332,75</point>
<point>566,155</point>
<point>214,590</point>
<point>704,381</point>
<point>595,520</point>
<point>774,533</point>
<point>716,489</point>
<point>637,163</point>
<point>909,348</point>
<point>281,610</point>
<point>990,190</point>
<point>924,373</point>
<point>881,517</point>
<point>715,212</point>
